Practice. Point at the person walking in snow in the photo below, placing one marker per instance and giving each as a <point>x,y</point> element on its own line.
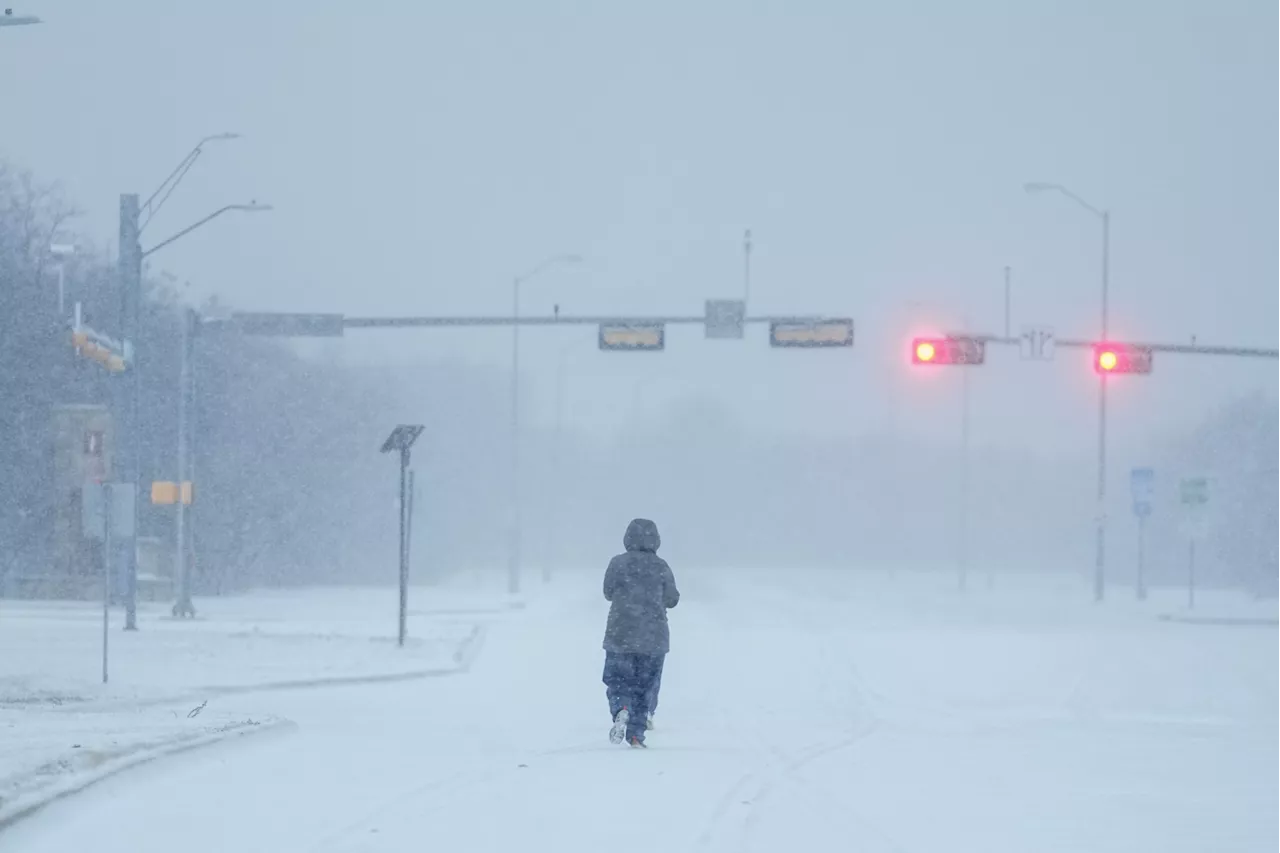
<point>640,589</point>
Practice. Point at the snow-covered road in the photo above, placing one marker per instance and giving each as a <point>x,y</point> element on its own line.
<point>799,711</point>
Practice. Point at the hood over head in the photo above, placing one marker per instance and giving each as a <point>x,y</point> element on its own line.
<point>642,535</point>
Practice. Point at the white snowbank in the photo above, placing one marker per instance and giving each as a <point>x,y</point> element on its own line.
<point>172,683</point>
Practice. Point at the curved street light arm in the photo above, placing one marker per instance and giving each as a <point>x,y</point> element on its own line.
<point>249,208</point>
<point>547,263</point>
<point>1036,187</point>
<point>175,177</point>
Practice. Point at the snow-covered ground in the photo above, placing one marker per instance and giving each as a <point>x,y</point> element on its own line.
<point>800,711</point>
<point>173,684</point>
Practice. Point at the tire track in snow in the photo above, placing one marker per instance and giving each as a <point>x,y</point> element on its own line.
<point>780,765</point>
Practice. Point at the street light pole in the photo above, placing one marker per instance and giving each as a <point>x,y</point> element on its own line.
<point>129,391</point>
<point>514,535</point>
<point>1099,568</point>
<point>183,606</point>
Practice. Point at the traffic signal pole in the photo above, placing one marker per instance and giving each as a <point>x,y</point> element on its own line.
<point>1099,567</point>
<point>129,388</point>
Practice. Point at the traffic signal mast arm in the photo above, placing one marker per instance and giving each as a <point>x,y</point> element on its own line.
<point>1189,349</point>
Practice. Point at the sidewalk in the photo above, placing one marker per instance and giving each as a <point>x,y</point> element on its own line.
<point>179,684</point>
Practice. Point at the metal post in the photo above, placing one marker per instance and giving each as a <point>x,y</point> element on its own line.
<point>557,473</point>
<point>179,559</point>
<point>408,526</point>
<point>963,551</point>
<point>1142,577</point>
<point>1008,300</point>
<point>404,541</point>
<point>129,448</point>
<point>1099,574</point>
<point>513,557</point>
<point>106,573</point>
<point>183,603</point>
<point>62,290</point>
<point>746,267</point>
<point>1191,574</point>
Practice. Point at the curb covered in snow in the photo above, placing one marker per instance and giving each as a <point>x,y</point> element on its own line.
<point>27,804</point>
<point>69,782</point>
<point>463,658</point>
<point>1239,621</point>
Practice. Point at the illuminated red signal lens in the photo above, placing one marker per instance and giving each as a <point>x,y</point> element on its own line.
<point>925,351</point>
<point>1107,360</point>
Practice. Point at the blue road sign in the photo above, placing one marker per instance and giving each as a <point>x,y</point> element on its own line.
<point>1142,482</point>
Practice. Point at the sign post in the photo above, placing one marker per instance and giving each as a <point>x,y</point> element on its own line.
<point>402,439</point>
<point>107,499</point>
<point>1194,492</point>
<point>1142,487</point>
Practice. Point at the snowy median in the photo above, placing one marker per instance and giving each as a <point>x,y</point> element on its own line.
<point>180,684</point>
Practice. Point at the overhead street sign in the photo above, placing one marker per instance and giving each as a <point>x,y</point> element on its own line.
<point>289,325</point>
<point>628,336</point>
<point>827,332</point>
<point>1037,343</point>
<point>725,318</point>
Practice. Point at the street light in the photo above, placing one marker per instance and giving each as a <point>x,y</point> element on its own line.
<point>175,177</point>
<point>1099,570</point>
<point>130,266</point>
<point>513,557</point>
<point>251,207</point>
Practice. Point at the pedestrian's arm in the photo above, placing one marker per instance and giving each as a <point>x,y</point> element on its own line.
<point>670,594</point>
<point>610,580</point>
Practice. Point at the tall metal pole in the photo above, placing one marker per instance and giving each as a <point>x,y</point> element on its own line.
<point>1008,300</point>
<point>1142,570</point>
<point>513,557</point>
<point>408,525</point>
<point>183,605</point>
<point>130,390</point>
<point>746,267</point>
<point>1191,574</point>
<point>1099,576</point>
<point>557,473</point>
<point>404,542</point>
<point>106,573</point>
<point>963,551</point>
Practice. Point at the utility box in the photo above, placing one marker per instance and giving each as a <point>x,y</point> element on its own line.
<point>83,453</point>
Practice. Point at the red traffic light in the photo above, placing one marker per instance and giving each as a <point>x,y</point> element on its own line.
<point>1121,358</point>
<point>951,350</point>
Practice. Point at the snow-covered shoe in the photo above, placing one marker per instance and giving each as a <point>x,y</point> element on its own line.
<point>618,733</point>
<point>648,723</point>
<point>636,743</point>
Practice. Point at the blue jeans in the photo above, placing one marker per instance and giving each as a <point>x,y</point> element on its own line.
<point>652,702</point>
<point>630,680</point>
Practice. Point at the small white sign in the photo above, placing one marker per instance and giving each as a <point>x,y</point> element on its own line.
<point>725,318</point>
<point>1037,343</point>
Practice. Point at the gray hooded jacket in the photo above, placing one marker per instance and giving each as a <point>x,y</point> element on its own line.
<point>640,588</point>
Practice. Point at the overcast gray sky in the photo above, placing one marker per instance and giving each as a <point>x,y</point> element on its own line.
<point>421,154</point>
